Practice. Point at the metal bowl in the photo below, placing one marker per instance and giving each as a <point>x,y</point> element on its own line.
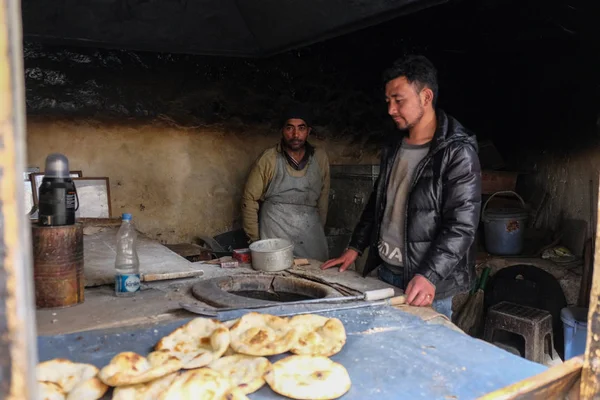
<point>272,255</point>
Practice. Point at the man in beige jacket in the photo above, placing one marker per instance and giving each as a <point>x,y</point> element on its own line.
<point>286,194</point>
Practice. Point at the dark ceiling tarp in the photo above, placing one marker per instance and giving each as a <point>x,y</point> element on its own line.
<point>211,27</point>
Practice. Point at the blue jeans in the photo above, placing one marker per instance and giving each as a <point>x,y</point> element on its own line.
<point>443,306</point>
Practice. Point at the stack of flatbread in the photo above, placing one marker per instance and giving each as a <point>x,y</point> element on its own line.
<point>197,343</point>
<point>207,359</point>
<point>61,379</point>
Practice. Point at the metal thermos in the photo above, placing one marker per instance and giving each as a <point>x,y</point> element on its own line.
<point>57,194</point>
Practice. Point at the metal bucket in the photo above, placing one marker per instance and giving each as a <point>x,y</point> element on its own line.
<point>58,265</point>
<point>504,228</point>
<point>272,255</point>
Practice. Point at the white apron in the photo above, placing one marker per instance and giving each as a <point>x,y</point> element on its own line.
<point>290,210</point>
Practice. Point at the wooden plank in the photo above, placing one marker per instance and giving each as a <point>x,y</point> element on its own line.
<point>590,377</point>
<point>17,323</point>
<point>100,252</point>
<point>573,394</point>
<point>94,222</point>
<point>555,383</point>
<point>585,288</point>
<point>190,251</point>
<point>102,309</point>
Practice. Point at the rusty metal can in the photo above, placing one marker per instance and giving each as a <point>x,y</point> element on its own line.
<point>243,255</point>
<point>58,265</point>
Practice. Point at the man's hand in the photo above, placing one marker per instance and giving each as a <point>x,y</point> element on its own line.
<point>420,292</point>
<point>345,259</point>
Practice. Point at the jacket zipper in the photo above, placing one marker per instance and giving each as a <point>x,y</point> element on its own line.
<point>416,176</point>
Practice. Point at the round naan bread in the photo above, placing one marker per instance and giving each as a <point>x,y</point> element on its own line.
<point>262,335</point>
<point>246,372</point>
<point>230,323</point>
<point>308,378</point>
<point>197,343</point>
<point>50,391</point>
<point>65,373</point>
<point>130,368</point>
<point>202,384</point>
<point>145,391</point>
<point>230,352</point>
<point>92,389</point>
<point>319,336</point>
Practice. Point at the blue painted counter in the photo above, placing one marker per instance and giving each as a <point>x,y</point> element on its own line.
<point>389,354</point>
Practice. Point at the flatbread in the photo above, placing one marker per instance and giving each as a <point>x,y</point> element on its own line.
<point>246,372</point>
<point>262,335</point>
<point>308,378</point>
<point>202,384</point>
<point>65,373</point>
<point>50,391</point>
<point>230,352</point>
<point>145,391</point>
<point>92,389</point>
<point>319,336</point>
<point>130,368</point>
<point>197,343</point>
<point>230,323</point>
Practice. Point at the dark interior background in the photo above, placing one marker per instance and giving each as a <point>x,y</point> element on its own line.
<point>523,73</point>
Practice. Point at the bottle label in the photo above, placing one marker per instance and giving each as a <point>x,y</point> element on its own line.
<point>127,283</point>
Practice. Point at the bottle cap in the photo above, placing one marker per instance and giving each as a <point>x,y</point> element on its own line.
<point>126,217</point>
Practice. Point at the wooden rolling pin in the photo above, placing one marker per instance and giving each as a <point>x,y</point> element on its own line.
<point>396,301</point>
<point>171,275</point>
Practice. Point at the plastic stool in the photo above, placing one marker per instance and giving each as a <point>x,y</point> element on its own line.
<point>534,325</point>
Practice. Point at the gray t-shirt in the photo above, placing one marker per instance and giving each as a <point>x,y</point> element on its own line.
<point>391,241</point>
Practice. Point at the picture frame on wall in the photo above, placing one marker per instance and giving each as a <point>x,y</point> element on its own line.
<point>29,201</point>
<point>93,196</point>
<point>36,180</point>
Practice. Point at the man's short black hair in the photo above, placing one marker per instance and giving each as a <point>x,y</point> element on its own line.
<point>416,69</point>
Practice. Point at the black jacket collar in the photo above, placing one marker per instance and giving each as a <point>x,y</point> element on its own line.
<point>447,131</point>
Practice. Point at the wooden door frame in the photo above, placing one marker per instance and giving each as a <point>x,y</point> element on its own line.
<point>18,341</point>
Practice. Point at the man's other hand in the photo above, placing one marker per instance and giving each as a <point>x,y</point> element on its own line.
<point>345,260</point>
<point>420,292</point>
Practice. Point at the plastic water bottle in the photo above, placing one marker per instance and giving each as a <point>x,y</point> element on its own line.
<point>127,264</point>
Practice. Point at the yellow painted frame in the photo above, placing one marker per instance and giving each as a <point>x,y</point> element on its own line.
<point>18,343</point>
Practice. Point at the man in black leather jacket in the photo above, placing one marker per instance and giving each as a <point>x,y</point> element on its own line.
<point>421,219</point>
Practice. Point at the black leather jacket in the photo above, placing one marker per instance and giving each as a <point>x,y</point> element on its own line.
<point>442,211</point>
